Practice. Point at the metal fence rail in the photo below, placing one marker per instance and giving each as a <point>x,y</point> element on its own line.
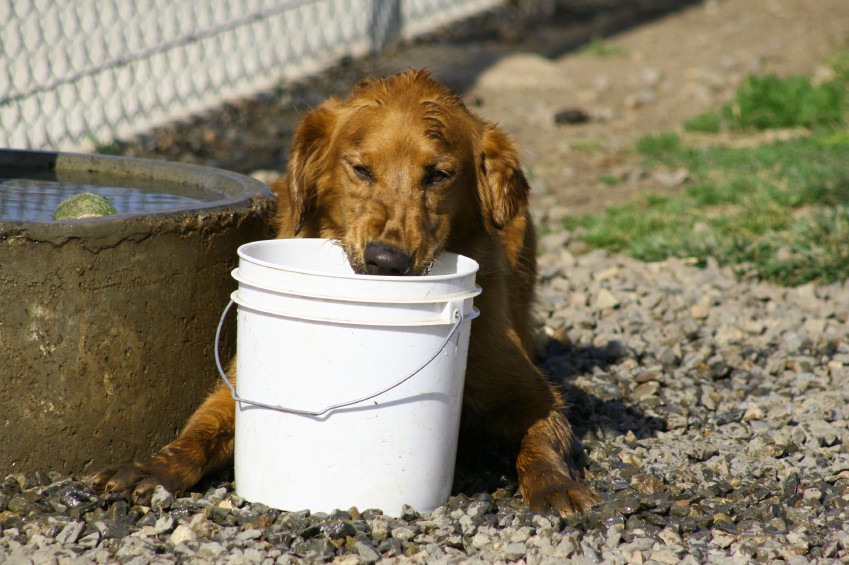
<point>74,72</point>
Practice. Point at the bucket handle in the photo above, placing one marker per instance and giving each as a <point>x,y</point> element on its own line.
<point>456,317</point>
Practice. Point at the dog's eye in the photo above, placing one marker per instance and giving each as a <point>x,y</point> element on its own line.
<point>363,173</point>
<point>436,177</point>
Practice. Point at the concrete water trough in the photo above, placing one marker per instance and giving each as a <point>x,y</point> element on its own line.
<point>107,324</point>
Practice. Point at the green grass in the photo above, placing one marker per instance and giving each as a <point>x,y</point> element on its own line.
<point>598,47</point>
<point>109,148</point>
<point>610,180</point>
<point>656,146</point>
<point>765,102</point>
<point>780,210</point>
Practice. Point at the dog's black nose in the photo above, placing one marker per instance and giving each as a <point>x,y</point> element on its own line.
<point>385,260</point>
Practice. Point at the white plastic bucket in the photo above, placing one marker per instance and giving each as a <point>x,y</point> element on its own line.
<point>320,422</point>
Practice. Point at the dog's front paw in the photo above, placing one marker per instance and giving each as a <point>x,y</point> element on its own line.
<point>131,480</point>
<point>137,480</point>
<point>546,486</point>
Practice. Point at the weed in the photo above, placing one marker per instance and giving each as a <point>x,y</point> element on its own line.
<point>765,102</point>
<point>610,180</point>
<point>657,146</point>
<point>709,122</point>
<point>110,148</point>
<point>598,47</point>
<point>772,102</point>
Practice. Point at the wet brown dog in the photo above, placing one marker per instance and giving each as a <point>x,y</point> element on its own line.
<point>397,173</point>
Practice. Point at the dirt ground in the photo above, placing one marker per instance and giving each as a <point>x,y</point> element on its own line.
<point>669,70</point>
<point>656,64</point>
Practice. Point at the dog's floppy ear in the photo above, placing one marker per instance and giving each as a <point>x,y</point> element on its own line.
<point>502,188</point>
<point>307,159</point>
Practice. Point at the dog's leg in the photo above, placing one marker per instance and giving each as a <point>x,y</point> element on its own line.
<point>204,445</point>
<point>511,397</point>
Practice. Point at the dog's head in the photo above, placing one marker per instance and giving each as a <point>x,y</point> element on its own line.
<point>401,171</point>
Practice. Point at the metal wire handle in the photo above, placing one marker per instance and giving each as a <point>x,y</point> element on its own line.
<point>456,316</point>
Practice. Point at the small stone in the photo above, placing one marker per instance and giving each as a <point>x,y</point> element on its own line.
<point>514,551</point>
<point>800,364</point>
<point>403,533</point>
<point>338,529</point>
<point>727,335</point>
<point>467,525</point>
<point>70,533</point>
<point>753,413</point>
<point>634,557</point>
<point>672,179</point>
<point>720,518</point>
<point>201,526</point>
<point>20,504</point>
<point>161,499</point>
<point>379,528</point>
<point>164,524</point>
<point>823,432</point>
<point>664,556</point>
<point>701,309</point>
<point>753,327</point>
<point>210,551</point>
<point>480,540</point>
<point>182,533</point>
<point>571,116</point>
<point>644,97</point>
<point>366,552</point>
<point>647,484</point>
<point>671,357</point>
<point>522,534</point>
<point>606,274</point>
<point>249,534</point>
<point>645,390</point>
<point>606,300</point>
<point>90,541</point>
<point>721,539</point>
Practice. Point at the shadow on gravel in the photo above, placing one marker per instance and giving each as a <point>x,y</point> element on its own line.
<point>254,133</point>
<point>484,464</point>
<point>591,414</point>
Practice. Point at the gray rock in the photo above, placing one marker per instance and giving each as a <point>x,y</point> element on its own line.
<point>514,551</point>
<point>70,533</point>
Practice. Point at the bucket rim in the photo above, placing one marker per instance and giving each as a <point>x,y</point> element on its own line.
<point>433,298</point>
<point>349,276</point>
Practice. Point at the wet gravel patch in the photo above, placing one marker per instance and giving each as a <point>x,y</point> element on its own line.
<point>713,409</point>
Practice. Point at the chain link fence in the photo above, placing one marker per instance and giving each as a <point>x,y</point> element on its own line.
<point>74,73</point>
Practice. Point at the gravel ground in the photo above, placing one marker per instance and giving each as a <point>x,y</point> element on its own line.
<point>714,411</point>
<point>713,408</point>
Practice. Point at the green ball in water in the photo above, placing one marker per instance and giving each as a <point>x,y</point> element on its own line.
<point>85,205</point>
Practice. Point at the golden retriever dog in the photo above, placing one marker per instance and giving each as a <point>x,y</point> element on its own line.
<point>397,173</point>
